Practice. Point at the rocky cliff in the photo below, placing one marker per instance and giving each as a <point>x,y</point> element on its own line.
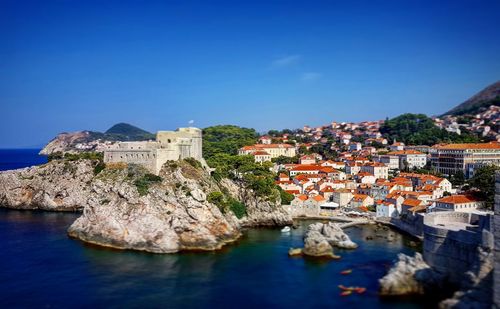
<point>126,208</point>
<point>57,186</point>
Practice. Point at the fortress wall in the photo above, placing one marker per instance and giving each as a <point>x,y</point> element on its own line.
<point>144,157</point>
<point>411,224</point>
<point>454,251</point>
<point>496,229</point>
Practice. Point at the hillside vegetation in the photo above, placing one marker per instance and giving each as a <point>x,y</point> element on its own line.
<point>418,129</point>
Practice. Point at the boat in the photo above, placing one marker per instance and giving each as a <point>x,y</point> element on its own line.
<point>286,229</point>
<point>345,288</point>
<point>346,293</point>
<point>360,290</point>
<point>346,272</point>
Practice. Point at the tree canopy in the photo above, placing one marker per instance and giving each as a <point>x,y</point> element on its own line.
<point>483,182</point>
<point>226,139</point>
<point>418,129</point>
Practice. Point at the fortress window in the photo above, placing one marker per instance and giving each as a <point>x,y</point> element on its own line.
<point>169,141</point>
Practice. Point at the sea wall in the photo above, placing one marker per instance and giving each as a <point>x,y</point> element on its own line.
<point>411,224</point>
<point>451,241</point>
<point>496,228</point>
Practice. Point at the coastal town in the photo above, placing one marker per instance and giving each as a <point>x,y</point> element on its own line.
<point>362,174</point>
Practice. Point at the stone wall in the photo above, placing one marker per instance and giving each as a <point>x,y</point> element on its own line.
<point>451,241</point>
<point>411,224</point>
<point>496,228</point>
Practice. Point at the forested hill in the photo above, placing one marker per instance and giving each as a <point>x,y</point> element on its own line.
<point>418,129</point>
<point>486,97</point>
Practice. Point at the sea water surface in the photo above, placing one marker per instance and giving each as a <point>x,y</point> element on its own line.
<point>42,267</point>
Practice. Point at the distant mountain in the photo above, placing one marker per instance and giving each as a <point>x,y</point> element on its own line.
<point>95,141</point>
<point>127,132</point>
<point>486,97</point>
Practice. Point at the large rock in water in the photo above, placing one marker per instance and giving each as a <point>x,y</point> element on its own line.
<point>320,239</point>
<point>171,215</point>
<point>409,275</point>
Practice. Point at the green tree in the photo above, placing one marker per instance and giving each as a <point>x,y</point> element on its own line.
<point>418,129</point>
<point>483,183</point>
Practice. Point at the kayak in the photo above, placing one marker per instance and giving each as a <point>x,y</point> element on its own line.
<point>346,272</point>
<point>345,288</point>
<point>346,293</point>
<point>360,290</point>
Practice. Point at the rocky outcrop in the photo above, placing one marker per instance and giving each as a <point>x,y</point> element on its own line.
<point>56,186</point>
<point>173,216</point>
<point>123,208</point>
<point>409,275</point>
<point>320,239</point>
<point>260,211</point>
<point>76,142</point>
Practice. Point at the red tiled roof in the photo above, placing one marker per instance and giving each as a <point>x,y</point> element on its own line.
<point>490,145</point>
<point>458,199</point>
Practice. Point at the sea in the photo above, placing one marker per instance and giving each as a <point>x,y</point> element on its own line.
<point>43,268</point>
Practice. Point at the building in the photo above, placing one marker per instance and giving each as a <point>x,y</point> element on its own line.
<point>265,140</point>
<point>409,159</point>
<point>452,158</point>
<point>168,146</point>
<point>397,146</point>
<point>261,156</point>
<point>274,150</point>
<point>391,161</point>
<point>308,159</point>
<point>387,210</point>
<point>459,203</point>
<point>377,169</point>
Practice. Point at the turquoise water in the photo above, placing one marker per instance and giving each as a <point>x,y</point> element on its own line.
<point>42,267</point>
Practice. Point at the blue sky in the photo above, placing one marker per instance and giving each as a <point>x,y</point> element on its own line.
<point>74,65</point>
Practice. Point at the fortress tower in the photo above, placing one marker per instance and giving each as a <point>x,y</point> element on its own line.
<point>169,146</point>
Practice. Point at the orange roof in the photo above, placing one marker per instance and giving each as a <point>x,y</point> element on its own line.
<point>458,199</point>
<point>318,198</point>
<point>283,175</point>
<point>327,170</point>
<point>264,146</point>
<point>412,202</point>
<point>490,145</point>
<point>293,191</point>
<point>260,153</point>
<point>405,152</point>
<point>359,197</point>
<point>306,167</point>
<point>302,197</point>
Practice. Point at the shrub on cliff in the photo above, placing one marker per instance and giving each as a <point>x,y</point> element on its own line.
<point>225,203</point>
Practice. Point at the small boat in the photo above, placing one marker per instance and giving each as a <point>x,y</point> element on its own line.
<point>286,229</point>
<point>360,290</point>
<point>346,272</point>
<point>346,293</point>
<point>345,288</point>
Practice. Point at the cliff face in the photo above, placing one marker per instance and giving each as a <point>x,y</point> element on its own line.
<point>123,208</point>
<point>57,186</point>
<point>260,212</point>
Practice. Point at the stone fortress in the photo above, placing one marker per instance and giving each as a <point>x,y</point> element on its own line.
<point>168,146</point>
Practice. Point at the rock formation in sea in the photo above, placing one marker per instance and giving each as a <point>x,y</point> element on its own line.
<point>409,275</point>
<point>125,207</point>
<point>320,239</point>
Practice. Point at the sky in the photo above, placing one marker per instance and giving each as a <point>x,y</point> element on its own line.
<point>86,65</point>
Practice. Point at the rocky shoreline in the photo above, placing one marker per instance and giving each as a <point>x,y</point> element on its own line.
<point>122,208</point>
